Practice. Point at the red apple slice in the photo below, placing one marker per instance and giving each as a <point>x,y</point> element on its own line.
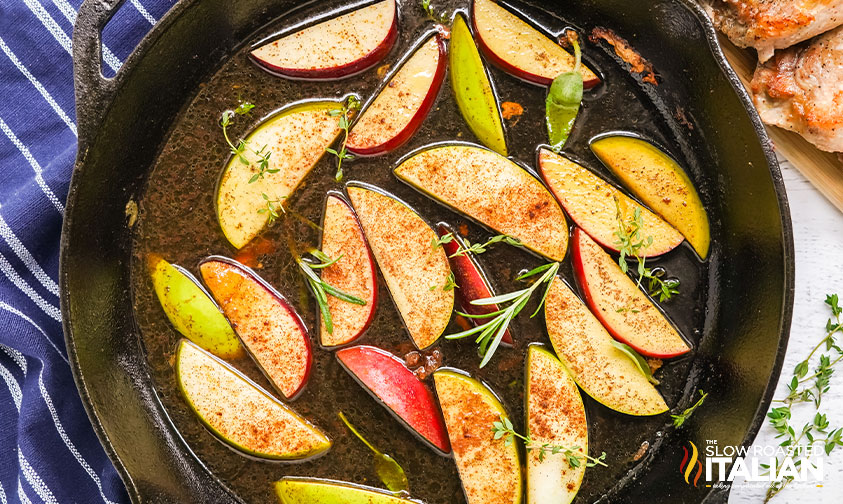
<point>602,370</point>
<point>267,324</point>
<point>400,108</point>
<point>628,314</point>
<point>353,273</point>
<point>472,284</point>
<point>593,205</point>
<point>389,381</point>
<point>519,49</point>
<point>335,48</point>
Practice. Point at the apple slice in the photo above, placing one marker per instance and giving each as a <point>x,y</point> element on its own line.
<point>657,180</point>
<point>490,469</point>
<point>519,49</point>
<point>354,273</point>
<point>492,190</point>
<point>472,284</point>
<point>593,205</point>
<point>626,312</point>
<point>293,490</point>
<point>267,324</point>
<point>473,91</point>
<point>555,416</point>
<point>415,273</point>
<point>239,412</point>
<point>600,369</point>
<point>389,381</point>
<point>400,108</point>
<point>296,139</point>
<point>191,311</point>
<point>335,48</point>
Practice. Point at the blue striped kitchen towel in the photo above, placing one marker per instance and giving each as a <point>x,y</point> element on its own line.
<point>48,451</point>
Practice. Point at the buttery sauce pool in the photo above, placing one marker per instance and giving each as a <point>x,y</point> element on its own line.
<point>178,221</point>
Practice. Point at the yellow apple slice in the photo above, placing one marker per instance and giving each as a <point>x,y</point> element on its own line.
<point>585,347</point>
<point>657,180</point>
<point>297,490</point>
<point>335,48</point>
<point>296,138</point>
<point>400,108</point>
<point>415,272</point>
<point>490,469</point>
<point>493,191</point>
<point>628,314</point>
<point>521,50</point>
<point>593,205</point>
<point>354,273</point>
<point>241,413</point>
<point>556,417</point>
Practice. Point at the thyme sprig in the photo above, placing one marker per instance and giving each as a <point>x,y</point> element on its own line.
<point>349,108</point>
<point>491,332</point>
<point>431,13</point>
<point>679,420</point>
<point>239,150</point>
<point>273,208</point>
<point>573,454</point>
<point>474,248</point>
<point>632,243</point>
<point>804,388</point>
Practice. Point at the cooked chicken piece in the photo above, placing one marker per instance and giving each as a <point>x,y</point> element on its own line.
<point>801,89</point>
<point>768,25</point>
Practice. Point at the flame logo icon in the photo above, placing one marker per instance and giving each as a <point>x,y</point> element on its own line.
<point>686,467</point>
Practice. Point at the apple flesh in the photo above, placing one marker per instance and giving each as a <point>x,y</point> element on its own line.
<point>490,469</point>
<point>599,368</point>
<point>293,490</point>
<point>657,180</point>
<point>555,416</point>
<point>493,191</point>
<point>593,205</point>
<point>517,48</point>
<point>626,312</point>
<point>335,48</point>
<point>354,273</point>
<point>267,324</point>
<point>415,273</point>
<point>472,284</point>
<point>191,311</point>
<point>296,139</point>
<point>473,91</point>
<point>239,412</point>
<point>388,380</point>
<point>400,108</point>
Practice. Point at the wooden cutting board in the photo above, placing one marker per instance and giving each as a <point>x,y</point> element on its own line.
<point>823,169</point>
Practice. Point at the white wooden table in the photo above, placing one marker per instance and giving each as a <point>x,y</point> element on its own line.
<point>818,230</point>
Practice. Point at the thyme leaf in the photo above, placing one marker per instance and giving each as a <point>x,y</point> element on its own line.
<point>574,455</point>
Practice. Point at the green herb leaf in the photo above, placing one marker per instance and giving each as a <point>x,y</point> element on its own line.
<point>574,455</point>
<point>389,471</point>
<point>679,420</point>
<point>636,358</point>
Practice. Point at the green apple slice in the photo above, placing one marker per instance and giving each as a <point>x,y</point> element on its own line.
<point>296,139</point>
<point>493,191</point>
<point>292,490</point>
<point>659,181</point>
<point>473,89</point>
<point>241,413</point>
<point>415,273</point>
<point>489,468</point>
<point>585,347</point>
<point>555,416</point>
<point>191,310</point>
<point>594,204</point>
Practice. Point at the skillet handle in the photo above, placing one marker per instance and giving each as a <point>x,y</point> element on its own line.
<point>93,90</point>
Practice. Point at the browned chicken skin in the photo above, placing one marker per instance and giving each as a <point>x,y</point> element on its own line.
<point>768,25</point>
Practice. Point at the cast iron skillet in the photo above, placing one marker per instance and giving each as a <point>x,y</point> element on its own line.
<point>123,122</point>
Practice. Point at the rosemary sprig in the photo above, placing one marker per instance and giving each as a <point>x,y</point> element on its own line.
<point>491,332</point>
<point>573,454</point>
<point>474,248</point>
<point>351,105</point>
<point>632,243</point>
<point>679,419</point>
<point>321,289</point>
<point>804,388</point>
